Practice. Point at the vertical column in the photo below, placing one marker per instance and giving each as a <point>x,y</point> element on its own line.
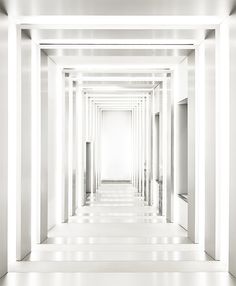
<point>222,138</point>
<point>167,173</point>
<point>93,147</point>
<point>60,107</point>
<point>80,141</point>
<point>192,195</point>
<point>161,193</point>
<point>23,231</point>
<point>155,146</point>
<point>53,161</point>
<point>150,136</point>
<point>210,149</point>
<point>143,147</point>
<point>166,197</point>
<point>65,119</point>
<point>136,144</point>
<point>75,187</point>
<point>147,150</point>
<point>96,146</point>
<point>232,208</point>
<point>99,149</point>
<point>70,148</point>
<point>200,144</point>
<point>217,143</point>
<point>44,149</point>
<point>3,141</point>
<point>140,146</point>
<point>133,156</point>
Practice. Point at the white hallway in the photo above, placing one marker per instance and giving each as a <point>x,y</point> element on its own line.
<point>118,142</point>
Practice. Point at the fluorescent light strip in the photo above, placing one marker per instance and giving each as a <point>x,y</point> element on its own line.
<point>118,22</point>
<point>115,42</point>
<point>115,78</point>
<point>69,46</point>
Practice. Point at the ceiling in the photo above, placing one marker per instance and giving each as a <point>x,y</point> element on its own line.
<point>108,56</point>
<point>116,7</point>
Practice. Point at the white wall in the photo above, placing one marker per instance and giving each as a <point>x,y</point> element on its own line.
<point>116,146</point>
<point>3,144</point>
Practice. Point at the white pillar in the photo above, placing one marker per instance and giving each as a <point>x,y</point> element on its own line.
<point>3,142</point>
<point>222,139</point>
<point>43,201</point>
<point>65,135</point>
<point>23,197</point>
<point>192,194</point>
<point>80,119</point>
<point>232,208</point>
<point>70,127</point>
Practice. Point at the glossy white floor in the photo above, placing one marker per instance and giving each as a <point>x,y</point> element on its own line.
<point>117,239</point>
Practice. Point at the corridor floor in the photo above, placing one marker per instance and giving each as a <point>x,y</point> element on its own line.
<point>116,239</point>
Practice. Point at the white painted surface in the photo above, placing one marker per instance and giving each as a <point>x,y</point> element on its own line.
<point>222,140</point>
<point>210,149</point>
<point>200,143</point>
<point>181,148</point>
<point>180,151</point>
<point>43,201</point>
<point>3,143</point>
<point>209,216</point>
<point>182,216</point>
<point>75,182</point>
<point>232,214</point>
<point>191,160</point>
<point>105,8</point>
<point>65,149</point>
<point>80,137</point>
<point>52,143</point>
<point>159,167</point>
<point>116,146</point>
<point>23,212</point>
<point>167,149</point>
<point>36,142</point>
